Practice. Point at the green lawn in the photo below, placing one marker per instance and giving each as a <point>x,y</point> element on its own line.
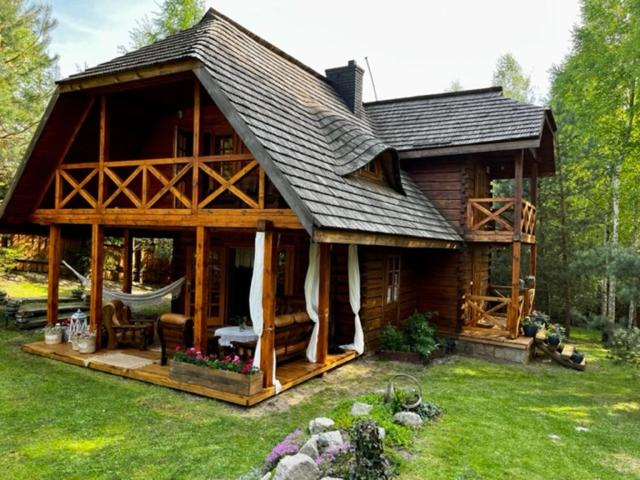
<point>60,421</point>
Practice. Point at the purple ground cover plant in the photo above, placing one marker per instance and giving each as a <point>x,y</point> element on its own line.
<point>290,445</point>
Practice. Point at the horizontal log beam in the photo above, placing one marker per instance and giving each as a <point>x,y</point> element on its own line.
<point>246,218</point>
<point>361,238</point>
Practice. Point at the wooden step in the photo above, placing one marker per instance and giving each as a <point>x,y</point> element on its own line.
<point>567,351</point>
<point>35,311</point>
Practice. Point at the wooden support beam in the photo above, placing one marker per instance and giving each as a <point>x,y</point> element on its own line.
<point>533,252</point>
<point>200,314</point>
<point>517,196</point>
<point>97,273</point>
<point>513,315</point>
<point>127,267</point>
<point>196,147</point>
<point>323,303</point>
<point>102,149</point>
<point>54,274</point>
<point>267,340</point>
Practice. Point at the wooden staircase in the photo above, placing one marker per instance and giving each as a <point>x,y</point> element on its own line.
<point>560,354</point>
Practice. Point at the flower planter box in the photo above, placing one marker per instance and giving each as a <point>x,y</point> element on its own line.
<point>86,344</point>
<point>223,380</point>
<point>53,338</point>
<point>411,357</point>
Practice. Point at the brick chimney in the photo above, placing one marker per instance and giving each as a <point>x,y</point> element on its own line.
<point>347,82</point>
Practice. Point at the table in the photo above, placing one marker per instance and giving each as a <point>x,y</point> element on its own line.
<point>234,334</point>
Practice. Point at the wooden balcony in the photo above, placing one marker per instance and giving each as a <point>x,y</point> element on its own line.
<point>493,313</point>
<point>492,220</point>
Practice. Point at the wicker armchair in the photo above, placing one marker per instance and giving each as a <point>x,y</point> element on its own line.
<point>174,329</point>
<point>121,331</point>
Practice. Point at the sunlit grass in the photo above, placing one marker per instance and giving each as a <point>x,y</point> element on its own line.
<point>500,421</point>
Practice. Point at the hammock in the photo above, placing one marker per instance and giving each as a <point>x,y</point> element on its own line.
<point>175,289</point>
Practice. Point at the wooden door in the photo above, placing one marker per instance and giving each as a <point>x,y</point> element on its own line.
<point>217,288</point>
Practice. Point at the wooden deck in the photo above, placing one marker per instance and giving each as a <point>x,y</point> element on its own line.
<point>289,374</point>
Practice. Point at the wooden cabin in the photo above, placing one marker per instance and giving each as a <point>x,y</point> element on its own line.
<point>213,134</point>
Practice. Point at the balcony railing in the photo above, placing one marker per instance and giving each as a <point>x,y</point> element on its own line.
<point>493,219</point>
<point>183,183</point>
<point>493,312</point>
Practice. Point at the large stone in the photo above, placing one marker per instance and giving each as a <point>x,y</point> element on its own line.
<point>311,447</point>
<point>381,433</point>
<point>329,440</point>
<point>320,424</point>
<point>360,408</point>
<point>297,467</point>
<point>408,419</point>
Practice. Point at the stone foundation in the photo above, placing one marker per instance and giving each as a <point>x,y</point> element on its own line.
<point>512,353</point>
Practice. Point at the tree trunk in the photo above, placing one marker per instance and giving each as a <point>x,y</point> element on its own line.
<point>564,252</point>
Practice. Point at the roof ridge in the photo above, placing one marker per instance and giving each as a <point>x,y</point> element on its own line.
<point>212,13</point>
<point>459,93</point>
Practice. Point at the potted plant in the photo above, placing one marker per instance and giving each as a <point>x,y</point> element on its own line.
<point>85,342</point>
<point>556,334</point>
<point>228,374</point>
<point>577,357</point>
<point>52,334</point>
<point>529,327</point>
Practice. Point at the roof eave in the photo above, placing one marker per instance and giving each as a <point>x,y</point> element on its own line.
<point>533,142</point>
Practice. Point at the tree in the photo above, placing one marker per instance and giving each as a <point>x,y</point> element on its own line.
<point>173,17</point>
<point>595,94</point>
<point>515,84</point>
<point>27,72</point>
<point>455,86</point>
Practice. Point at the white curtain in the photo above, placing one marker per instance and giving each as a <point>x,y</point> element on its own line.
<point>354,300</point>
<point>311,292</point>
<point>255,304</point>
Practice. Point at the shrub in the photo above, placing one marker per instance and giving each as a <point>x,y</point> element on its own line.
<point>370,462</point>
<point>336,461</point>
<point>393,339</point>
<point>625,345</point>
<point>420,334</point>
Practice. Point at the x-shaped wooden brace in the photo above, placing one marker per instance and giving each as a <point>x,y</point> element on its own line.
<point>78,188</point>
<point>489,215</point>
<point>229,185</point>
<point>169,185</point>
<point>122,186</point>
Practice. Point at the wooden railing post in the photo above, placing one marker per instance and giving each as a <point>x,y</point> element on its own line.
<point>323,303</point>
<point>53,274</point>
<point>513,317</point>
<point>102,149</point>
<point>200,314</point>
<point>97,279</point>
<point>267,340</point>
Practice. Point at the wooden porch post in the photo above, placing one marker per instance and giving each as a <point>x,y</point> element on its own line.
<point>513,323</point>
<point>97,274</point>
<point>54,274</point>
<point>127,273</point>
<point>199,314</point>
<point>195,198</point>
<point>534,202</point>
<point>267,340</point>
<point>323,303</point>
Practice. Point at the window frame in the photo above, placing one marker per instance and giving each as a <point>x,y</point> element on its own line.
<point>393,274</point>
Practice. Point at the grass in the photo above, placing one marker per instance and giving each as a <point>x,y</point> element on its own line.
<point>499,421</point>
<point>31,285</point>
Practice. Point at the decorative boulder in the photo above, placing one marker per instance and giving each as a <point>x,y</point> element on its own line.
<point>329,440</point>
<point>381,433</point>
<point>311,447</point>
<point>360,408</point>
<point>320,424</point>
<point>408,419</point>
<point>297,467</point>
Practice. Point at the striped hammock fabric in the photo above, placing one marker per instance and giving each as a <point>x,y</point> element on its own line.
<point>133,300</point>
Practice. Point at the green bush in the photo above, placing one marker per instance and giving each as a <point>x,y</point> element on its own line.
<point>393,339</point>
<point>370,462</point>
<point>419,336</point>
<point>625,345</point>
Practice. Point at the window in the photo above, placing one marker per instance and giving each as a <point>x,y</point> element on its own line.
<point>372,170</point>
<point>223,145</point>
<point>393,278</point>
<point>184,143</point>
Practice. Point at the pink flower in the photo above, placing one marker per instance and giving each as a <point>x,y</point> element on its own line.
<point>227,358</point>
<point>178,348</point>
<point>236,360</point>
